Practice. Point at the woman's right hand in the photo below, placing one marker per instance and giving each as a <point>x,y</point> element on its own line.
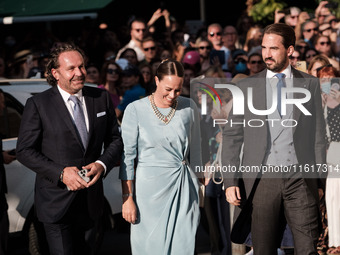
<point>335,94</point>
<point>129,210</point>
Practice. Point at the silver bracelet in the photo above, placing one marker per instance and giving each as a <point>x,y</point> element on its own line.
<point>127,195</point>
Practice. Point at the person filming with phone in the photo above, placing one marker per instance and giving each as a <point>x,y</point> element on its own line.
<point>329,82</point>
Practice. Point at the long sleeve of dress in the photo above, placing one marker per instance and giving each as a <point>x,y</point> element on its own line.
<point>130,139</point>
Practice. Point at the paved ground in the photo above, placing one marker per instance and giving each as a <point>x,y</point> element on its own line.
<point>116,242</point>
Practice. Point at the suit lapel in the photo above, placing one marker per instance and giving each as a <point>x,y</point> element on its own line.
<point>260,98</point>
<point>298,82</point>
<point>64,114</point>
<point>89,101</point>
<point>260,95</point>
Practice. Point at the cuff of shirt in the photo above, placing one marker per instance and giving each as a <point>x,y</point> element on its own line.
<point>100,162</point>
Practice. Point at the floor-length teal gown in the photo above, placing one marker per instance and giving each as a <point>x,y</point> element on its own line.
<point>166,187</point>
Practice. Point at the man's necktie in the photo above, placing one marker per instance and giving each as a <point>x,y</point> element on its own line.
<point>280,84</point>
<point>79,119</point>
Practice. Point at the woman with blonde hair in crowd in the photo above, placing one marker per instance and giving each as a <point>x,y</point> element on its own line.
<point>316,62</point>
<point>204,48</point>
<point>254,38</point>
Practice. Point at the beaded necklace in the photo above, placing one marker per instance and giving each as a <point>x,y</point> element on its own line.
<point>165,118</point>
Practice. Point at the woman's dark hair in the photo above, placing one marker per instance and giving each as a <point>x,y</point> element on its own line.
<point>103,72</point>
<point>169,67</point>
<point>309,49</point>
<point>286,32</point>
<point>126,51</point>
<point>53,61</point>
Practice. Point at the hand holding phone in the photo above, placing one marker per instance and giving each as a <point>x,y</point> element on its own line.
<point>12,152</point>
<point>217,55</point>
<point>9,156</point>
<point>335,84</point>
<point>301,66</point>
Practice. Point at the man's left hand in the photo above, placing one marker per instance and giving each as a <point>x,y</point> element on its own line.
<point>95,170</point>
<point>7,157</point>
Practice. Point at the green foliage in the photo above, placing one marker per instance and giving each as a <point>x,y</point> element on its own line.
<point>264,11</point>
<point>335,7</point>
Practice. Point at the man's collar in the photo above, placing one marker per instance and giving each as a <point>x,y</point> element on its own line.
<point>65,95</point>
<point>287,71</point>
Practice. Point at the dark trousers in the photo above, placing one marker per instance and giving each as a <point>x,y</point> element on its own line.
<point>280,200</point>
<point>67,236</point>
<point>4,227</point>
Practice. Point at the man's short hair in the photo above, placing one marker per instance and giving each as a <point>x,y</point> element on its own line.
<point>215,25</point>
<point>317,38</point>
<point>53,61</point>
<point>254,54</point>
<point>139,20</point>
<point>148,39</point>
<point>306,22</point>
<point>285,31</point>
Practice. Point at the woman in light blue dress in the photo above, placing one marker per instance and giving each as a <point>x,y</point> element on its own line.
<point>160,198</point>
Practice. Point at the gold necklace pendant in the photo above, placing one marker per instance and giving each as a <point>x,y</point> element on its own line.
<point>164,118</point>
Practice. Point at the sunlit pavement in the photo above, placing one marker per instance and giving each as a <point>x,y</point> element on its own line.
<point>116,241</point>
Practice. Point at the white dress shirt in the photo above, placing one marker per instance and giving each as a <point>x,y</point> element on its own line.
<point>69,104</point>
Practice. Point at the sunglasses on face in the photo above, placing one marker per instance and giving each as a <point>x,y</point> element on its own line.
<point>150,48</point>
<point>292,57</point>
<point>299,47</point>
<point>112,71</point>
<point>328,28</point>
<point>212,34</point>
<point>240,60</point>
<point>312,29</point>
<point>310,56</point>
<point>323,43</point>
<point>204,47</point>
<point>140,30</point>
<point>253,62</point>
<point>321,67</point>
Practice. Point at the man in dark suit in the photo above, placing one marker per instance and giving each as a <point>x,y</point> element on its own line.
<point>272,199</point>
<point>5,158</point>
<point>61,134</point>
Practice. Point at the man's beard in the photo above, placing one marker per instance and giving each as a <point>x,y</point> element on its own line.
<point>276,67</point>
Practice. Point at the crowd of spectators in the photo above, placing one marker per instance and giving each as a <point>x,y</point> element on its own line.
<point>317,33</point>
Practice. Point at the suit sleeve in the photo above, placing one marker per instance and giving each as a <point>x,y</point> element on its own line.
<point>29,143</point>
<point>113,144</point>
<point>320,132</point>
<point>231,148</point>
